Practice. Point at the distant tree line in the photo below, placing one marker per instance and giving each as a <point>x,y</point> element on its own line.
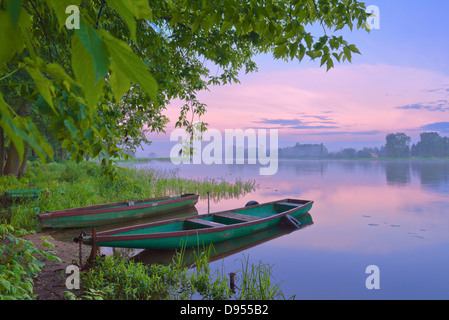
<point>430,145</point>
<point>304,151</point>
<point>397,145</point>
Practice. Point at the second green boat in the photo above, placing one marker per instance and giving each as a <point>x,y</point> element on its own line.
<point>102,214</point>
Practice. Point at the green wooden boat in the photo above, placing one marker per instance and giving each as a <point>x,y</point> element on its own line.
<point>220,250</point>
<point>103,214</point>
<point>202,229</point>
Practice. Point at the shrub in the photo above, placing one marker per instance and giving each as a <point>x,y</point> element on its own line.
<point>18,263</point>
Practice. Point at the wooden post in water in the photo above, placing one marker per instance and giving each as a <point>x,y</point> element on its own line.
<point>93,253</point>
<point>208,205</point>
<point>232,281</point>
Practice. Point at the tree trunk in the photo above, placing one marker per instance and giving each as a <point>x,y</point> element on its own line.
<point>24,162</point>
<point>13,164</point>
<point>2,151</point>
<point>13,161</point>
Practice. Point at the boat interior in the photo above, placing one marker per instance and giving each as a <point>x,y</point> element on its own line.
<point>248,214</point>
<point>221,219</point>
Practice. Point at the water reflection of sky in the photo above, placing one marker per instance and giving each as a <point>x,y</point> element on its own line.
<point>391,214</point>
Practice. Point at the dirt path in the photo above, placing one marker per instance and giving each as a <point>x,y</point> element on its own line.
<point>50,284</point>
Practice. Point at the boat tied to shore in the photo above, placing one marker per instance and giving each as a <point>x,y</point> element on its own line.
<point>102,214</point>
<point>202,229</point>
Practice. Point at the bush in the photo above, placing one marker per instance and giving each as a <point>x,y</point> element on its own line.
<point>18,264</point>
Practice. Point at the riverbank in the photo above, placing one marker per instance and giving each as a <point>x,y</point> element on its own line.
<point>69,185</point>
<point>50,282</point>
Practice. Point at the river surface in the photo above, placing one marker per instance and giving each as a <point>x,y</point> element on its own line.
<point>391,215</point>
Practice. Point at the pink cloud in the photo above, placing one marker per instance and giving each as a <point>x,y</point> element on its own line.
<point>354,98</point>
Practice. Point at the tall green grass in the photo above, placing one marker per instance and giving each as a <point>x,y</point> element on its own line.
<point>115,278</point>
<point>256,282</point>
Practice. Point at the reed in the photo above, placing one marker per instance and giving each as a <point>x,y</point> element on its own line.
<point>257,282</point>
<point>115,278</point>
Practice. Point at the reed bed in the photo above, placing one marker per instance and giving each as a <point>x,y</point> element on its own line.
<point>115,278</point>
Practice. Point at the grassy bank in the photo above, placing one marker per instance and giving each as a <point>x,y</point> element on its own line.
<point>68,185</point>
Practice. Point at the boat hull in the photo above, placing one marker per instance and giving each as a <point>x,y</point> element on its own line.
<point>173,234</point>
<point>118,212</point>
<point>222,249</point>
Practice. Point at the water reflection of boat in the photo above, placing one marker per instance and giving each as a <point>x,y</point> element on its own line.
<point>223,249</point>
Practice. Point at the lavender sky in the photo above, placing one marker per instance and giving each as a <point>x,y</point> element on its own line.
<point>400,83</point>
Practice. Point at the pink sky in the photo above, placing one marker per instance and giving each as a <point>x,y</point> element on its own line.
<point>399,83</point>
<point>349,104</point>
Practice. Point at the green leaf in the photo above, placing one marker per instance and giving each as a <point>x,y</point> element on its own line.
<point>83,68</point>
<point>96,149</point>
<point>119,82</point>
<point>57,72</point>
<point>71,127</point>
<point>226,25</point>
<point>324,59</point>
<point>353,48</point>
<point>280,51</point>
<point>131,65</point>
<point>84,124</point>
<point>10,128</point>
<point>96,48</point>
<point>122,8</point>
<point>337,56</point>
<point>14,7</point>
<point>330,64</point>
<point>43,106</point>
<point>302,52</point>
<point>129,10</point>
<point>348,53</point>
<point>43,85</point>
<point>23,129</point>
<point>11,38</point>
<point>308,38</point>
<point>66,143</point>
<point>339,26</point>
<point>140,8</point>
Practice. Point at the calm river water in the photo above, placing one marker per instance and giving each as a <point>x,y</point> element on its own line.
<point>394,215</point>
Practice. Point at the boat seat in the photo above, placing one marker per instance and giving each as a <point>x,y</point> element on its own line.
<point>237,216</point>
<point>207,223</point>
<point>290,204</point>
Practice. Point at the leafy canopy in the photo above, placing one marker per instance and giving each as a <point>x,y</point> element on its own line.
<point>105,84</point>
